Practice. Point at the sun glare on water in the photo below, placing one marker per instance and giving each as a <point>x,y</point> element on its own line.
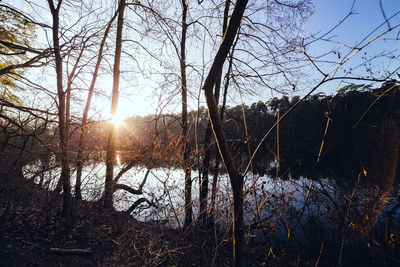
<point>118,160</point>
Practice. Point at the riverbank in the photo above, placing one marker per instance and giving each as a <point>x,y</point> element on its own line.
<point>32,234</point>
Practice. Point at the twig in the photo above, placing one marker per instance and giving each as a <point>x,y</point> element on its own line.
<point>320,253</point>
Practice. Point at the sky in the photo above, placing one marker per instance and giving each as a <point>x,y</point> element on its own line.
<point>367,16</point>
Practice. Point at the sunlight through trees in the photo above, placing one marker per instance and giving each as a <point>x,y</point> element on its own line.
<point>268,133</point>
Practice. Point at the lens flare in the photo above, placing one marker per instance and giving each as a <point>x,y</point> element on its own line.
<point>117,119</point>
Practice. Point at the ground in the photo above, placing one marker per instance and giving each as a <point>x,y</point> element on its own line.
<point>32,234</point>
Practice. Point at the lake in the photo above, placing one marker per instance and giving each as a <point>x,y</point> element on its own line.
<point>284,209</point>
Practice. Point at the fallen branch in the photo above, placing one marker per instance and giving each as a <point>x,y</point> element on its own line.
<point>124,170</point>
<point>138,202</point>
<point>128,188</point>
<point>69,251</point>
<point>138,191</point>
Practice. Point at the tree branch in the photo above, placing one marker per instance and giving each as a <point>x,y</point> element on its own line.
<point>138,202</point>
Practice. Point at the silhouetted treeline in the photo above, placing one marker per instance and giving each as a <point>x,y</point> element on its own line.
<point>359,134</point>
<point>362,130</point>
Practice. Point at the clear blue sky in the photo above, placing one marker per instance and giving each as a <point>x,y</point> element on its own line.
<point>366,18</point>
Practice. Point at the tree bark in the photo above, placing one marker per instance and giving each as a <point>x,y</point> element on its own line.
<point>186,148</point>
<point>70,79</point>
<point>217,157</point>
<point>235,178</point>
<point>204,218</point>
<point>205,168</point>
<point>65,173</point>
<point>110,160</point>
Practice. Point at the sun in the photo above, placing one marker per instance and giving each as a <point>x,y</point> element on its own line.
<point>126,109</point>
<point>117,119</point>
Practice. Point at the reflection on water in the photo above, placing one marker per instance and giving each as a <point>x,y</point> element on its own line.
<point>118,159</point>
<point>305,209</point>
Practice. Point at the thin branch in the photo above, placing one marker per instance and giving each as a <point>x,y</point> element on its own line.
<point>373,103</point>
<point>384,15</point>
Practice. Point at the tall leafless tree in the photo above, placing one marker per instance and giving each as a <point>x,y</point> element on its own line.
<point>205,168</point>
<point>186,147</point>
<point>62,124</point>
<point>235,178</point>
<point>110,160</point>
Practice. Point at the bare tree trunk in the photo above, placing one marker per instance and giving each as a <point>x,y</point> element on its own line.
<point>82,137</point>
<point>217,157</point>
<point>235,178</point>
<point>109,183</point>
<point>206,161</point>
<point>70,79</point>
<point>65,174</point>
<point>186,148</point>
<point>205,168</point>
